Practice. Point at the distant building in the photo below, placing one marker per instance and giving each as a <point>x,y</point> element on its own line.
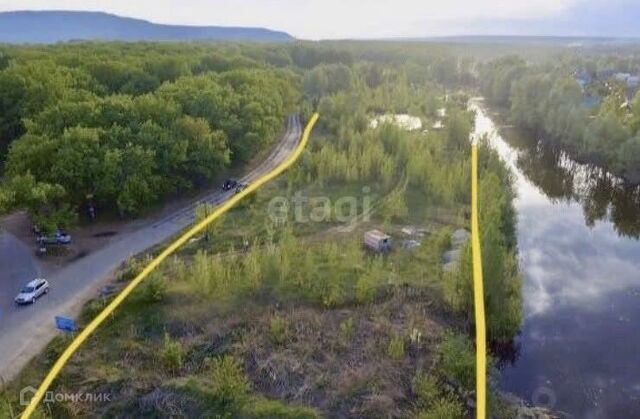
<point>621,76</point>
<point>630,80</point>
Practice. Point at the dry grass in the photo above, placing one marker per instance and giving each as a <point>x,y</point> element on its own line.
<point>352,377</point>
<point>334,360</point>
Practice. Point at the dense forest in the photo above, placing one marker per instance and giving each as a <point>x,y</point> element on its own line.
<point>579,102</point>
<point>127,125</point>
<point>124,126</point>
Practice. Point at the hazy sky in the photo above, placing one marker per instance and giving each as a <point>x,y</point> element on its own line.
<point>315,19</point>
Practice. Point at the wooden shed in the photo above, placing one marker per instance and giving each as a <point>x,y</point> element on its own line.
<point>377,241</point>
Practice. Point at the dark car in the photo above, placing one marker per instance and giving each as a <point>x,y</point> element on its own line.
<point>240,187</point>
<point>229,184</point>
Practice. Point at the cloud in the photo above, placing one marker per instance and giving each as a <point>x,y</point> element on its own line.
<point>614,18</point>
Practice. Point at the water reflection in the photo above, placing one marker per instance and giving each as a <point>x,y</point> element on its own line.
<point>603,197</point>
<point>577,231</point>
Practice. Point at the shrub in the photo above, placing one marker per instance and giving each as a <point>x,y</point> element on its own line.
<point>443,239</point>
<point>425,388</point>
<point>6,408</point>
<point>443,409</point>
<point>91,309</point>
<point>395,349</point>
<point>171,354</point>
<point>230,384</point>
<point>347,330</point>
<point>458,359</point>
<point>153,289</point>
<point>394,205</point>
<point>56,347</point>
<point>278,330</point>
<point>365,288</point>
<point>333,292</point>
<point>275,409</point>
<point>131,268</point>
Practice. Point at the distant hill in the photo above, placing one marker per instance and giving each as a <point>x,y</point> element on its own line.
<point>529,40</point>
<point>55,26</point>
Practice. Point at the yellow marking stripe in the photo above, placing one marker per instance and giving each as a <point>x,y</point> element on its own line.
<point>478,294</point>
<point>101,317</point>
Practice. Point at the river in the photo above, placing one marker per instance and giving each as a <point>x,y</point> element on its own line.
<point>579,348</point>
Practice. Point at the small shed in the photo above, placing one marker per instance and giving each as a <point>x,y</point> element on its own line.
<point>377,241</point>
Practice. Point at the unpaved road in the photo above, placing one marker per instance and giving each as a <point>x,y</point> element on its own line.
<point>26,330</point>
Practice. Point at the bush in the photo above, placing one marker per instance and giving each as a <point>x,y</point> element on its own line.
<point>171,354</point>
<point>153,289</point>
<point>458,360</point>
<point>275,409</point>
<point>365,288</point>
<point>347,330</point>
<point>6,408</point>
<point>91,309</point>
<point>425,389</point>
<point>395,349</point>
<point>229,382</point>
<point>443,409</point>
<point>56,347</point>
<point>278,330</point>
<point>132,268</point>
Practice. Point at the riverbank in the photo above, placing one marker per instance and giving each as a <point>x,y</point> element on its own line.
<point>502,116</point>
<point>577,239</point>
<point>549,101</point>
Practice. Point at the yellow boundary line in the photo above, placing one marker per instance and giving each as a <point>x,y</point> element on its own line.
<point>97,321</point>
<point>478,294</point>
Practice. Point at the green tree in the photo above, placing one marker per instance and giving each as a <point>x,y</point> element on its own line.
<point>394,205</point>
<point>12,108</point>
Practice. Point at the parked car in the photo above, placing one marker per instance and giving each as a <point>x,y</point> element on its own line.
<point>229,184</point>
<point>60,237</point>
<point>30,292</point>
<point>240,187</point>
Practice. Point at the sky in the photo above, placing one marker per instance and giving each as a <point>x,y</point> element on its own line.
<point>337,19</point>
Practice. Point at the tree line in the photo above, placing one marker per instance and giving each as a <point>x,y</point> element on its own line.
<point>548,100</point>
<point>124,125</point>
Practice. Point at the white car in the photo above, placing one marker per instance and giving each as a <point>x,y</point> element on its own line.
<point>30,292</point>
<point>60,237</point>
